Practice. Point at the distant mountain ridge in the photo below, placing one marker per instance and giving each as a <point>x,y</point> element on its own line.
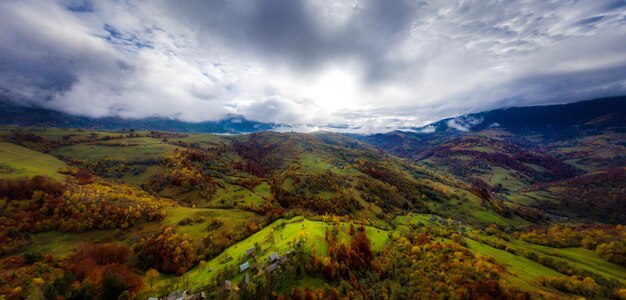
<point>572,154</point>
<point>553,119</point>
<point>590,114</point>
<point>24,115</point>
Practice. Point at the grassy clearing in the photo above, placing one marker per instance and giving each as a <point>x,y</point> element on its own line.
<point>207,139</point>
<point>485,149</point>
<point>591,259</point>
<point>57,134</point>
<point>17,161</point>
<point>532,196</point>
<point>264,190</point>
<point>411,219</point>
<point>60,244</point>
<point>522,272</point>
<point>230,194</point>
<point>465,205</point>
<point>139,149</point>
<point>279,237</point>
<point>314,164</point>
<point>581,258</point>
<point>233,219</point>
<point>505,178</point>
<point>139,174</point>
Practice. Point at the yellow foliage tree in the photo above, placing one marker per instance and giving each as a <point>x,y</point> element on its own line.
<point>152,276</point>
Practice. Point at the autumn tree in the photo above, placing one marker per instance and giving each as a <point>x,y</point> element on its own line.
<point>152,275</point>
<point>167,251</point>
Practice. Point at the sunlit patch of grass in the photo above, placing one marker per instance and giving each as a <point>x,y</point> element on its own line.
<point>17,161</point>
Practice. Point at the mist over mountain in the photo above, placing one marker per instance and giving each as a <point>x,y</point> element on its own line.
<point>572,118</point>
<point>596,114</point>
<point>28,115</point>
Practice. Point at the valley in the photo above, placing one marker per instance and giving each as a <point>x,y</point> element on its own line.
<point>485,214</point>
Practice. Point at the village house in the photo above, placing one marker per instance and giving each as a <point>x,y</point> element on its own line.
<point>250,251</point>
<point>282,260</point>
<point>271,268</point>
<point>245,266</point>
<point>244,282</point>
<point>197,296</point>
<point>227,285</point>
<point>179,295</point>
<point>273,257</point>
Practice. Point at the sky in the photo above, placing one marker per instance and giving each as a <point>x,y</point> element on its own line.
<point>350,65</point>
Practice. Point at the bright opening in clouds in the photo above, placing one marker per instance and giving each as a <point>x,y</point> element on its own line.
<point>363,65</point>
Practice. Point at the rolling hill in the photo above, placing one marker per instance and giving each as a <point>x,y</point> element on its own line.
<point>479,214</point>
<point>529,149</point>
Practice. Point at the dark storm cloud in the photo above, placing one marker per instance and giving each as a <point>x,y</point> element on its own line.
<point>366,63</point>
<point>291,31</point>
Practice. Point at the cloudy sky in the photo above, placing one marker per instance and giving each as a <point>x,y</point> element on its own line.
<point>369,65</point>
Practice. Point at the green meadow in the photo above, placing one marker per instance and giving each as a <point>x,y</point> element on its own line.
<point>18,161</point>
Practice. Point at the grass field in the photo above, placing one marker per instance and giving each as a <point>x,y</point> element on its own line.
<point>230,194</point>
<point>314,164</point>
<point>581,258</point>
<point>521,272</point>
<point>591,260</point>
<point>139,174</point>
<point>137,149</point>
<point>17,161</point>
<point>505,178</point>
<point>60,244</point>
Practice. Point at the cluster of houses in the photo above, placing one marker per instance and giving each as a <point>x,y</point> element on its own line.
<point>273,262</point>
<point>183,295</point>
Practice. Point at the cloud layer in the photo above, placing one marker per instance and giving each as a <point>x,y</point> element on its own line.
<point>358,65</point>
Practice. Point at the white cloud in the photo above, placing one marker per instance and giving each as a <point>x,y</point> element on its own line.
<point>428,129</point>
<point>369,65</point>
<point>464,123</point>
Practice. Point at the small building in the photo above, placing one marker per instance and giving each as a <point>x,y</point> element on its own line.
<point>153,298</point>
<point>179,295</point>
<point>282,260</point>
<point>250,251</point>
<point>273,257</point>
<point>244,266</point>
<point>271,268</point>
<point>244,282</point>
<point>197,296</point>
<point>227,285</point>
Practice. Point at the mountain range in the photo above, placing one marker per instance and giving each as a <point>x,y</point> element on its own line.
<point>561,119</point>
<point>15,114</point>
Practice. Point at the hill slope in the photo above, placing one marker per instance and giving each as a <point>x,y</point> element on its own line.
<point>515,150</point>
<point>262,172</point>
